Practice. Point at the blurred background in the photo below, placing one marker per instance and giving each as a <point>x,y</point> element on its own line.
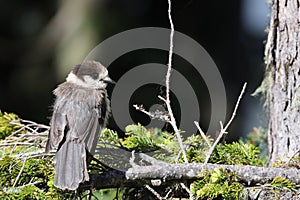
<point>40,41</point>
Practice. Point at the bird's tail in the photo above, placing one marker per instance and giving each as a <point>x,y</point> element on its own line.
<point>70,166</point>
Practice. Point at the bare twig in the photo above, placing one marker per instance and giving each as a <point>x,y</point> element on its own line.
<point>224,129</point>
<point>35,124</point>
<point>142,109</point>
<point>186,188</point>
<point>28,156</point>
<point>236,105</point>
<point>168,193</point>
<point>20,144</point>
<point>154,192</point>
<point>168,75</point>
<point>131,160</point>
<point>33,183</point>
<point>177,157</point>
<point>151,160</point>
<point>202,134</point>
<point>170,116</point>
<point>28,134</point>
<point>26,124</point>
<point>20,172</point>
<point>291,158</point>
<point>153,115</point>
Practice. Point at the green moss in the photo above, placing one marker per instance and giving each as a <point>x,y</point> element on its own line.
<point>143,140</point>
<point>110,136</point>
<point>280,183</point>
<point>196,149</point>
<point>217,183</point>
<point>259,138</point>
<point>164,146</point>
<point>161,144</point>
<point>28,192</point>
<point>6,128</point>
<point>29,179</point>
<point>236,153</point>
<point>20,178</point>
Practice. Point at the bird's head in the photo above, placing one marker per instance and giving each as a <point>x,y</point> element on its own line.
<point>90,74</point>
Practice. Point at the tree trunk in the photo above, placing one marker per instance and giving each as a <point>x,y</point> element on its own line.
<point>282,80</point>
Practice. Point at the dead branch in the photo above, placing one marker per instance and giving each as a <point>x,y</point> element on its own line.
<point>170,173</point>
<point>29,134</point>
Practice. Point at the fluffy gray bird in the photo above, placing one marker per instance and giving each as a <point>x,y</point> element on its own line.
<point>80,112</point>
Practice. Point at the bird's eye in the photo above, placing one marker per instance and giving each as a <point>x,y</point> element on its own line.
<point>101,79</point>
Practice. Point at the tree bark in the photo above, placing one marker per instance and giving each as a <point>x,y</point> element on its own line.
<point>282,80</point>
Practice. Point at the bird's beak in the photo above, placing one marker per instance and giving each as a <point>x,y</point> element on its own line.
<point>108,80</point>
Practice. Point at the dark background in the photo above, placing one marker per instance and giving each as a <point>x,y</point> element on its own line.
<point>41,40</point>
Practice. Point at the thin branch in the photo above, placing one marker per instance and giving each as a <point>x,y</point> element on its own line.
<point>236,105</point>
<point>34,183</point>
<point>177,157</point>
<point>28,134</point>
<point>223,129</point>
<point>157,194</point>
<point>291,158</point>
<point>20,172</point>
<point>202,134</point>
<point>142,109</point>
<point>131,160</point>
<point>168,193</point>
<point>43,126</point>
<point>39,155</point>
<point>214,145</point>
<point>168,75</point>
<point>154,192</point>
<point>170,117</point>
<point>27,124</point>
<point>150,159</point>
<point>153,115</point>
<point>20,144</point>
<point>170,53</point>
<point>186,188</point>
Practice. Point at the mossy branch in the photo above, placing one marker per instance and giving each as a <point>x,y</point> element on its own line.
<point>170,173</point>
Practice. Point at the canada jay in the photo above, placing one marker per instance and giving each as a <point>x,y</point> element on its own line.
<point>80,112</point>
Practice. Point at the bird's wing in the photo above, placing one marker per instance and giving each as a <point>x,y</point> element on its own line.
<point>90,130</point>
<point>85,121</point>
<point>58,125</point>
<point>89,125</point>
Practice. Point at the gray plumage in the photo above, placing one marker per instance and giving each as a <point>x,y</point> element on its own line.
<point>80,112</point>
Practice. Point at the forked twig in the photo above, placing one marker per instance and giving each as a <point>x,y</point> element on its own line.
<point>170,117</point>
<point>223,129</point>
<point>202,134</point>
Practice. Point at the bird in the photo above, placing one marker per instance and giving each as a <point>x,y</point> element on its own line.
<point>80,111</point>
